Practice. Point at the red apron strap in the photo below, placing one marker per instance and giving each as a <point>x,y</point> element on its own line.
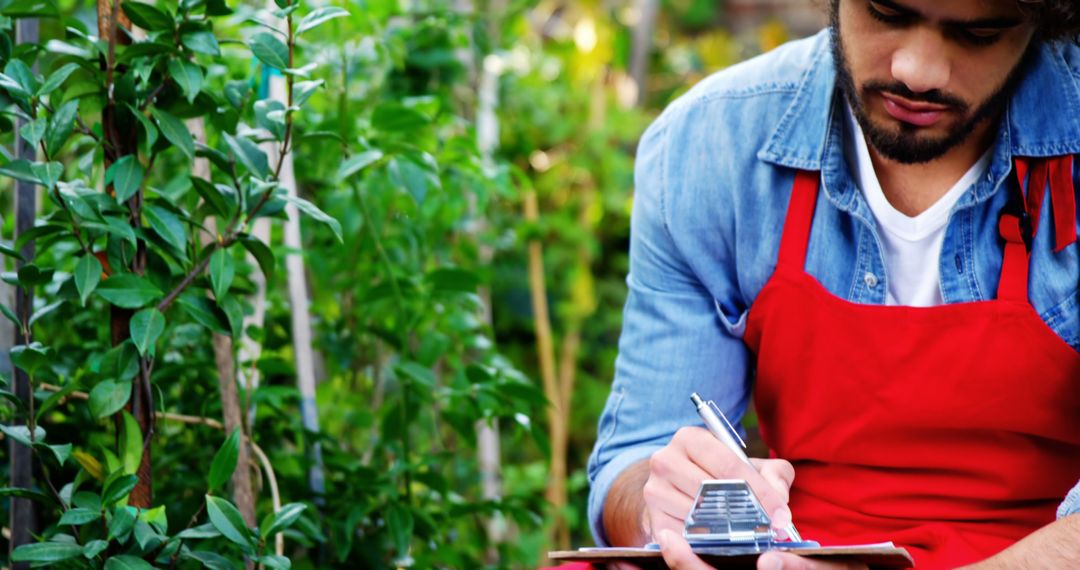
<point>800,215</point>
<point>1063,199</point>
<point>1023,165</point>
<point>1015,227</point>
<point>1036,191</point>
<point>1013,284</point>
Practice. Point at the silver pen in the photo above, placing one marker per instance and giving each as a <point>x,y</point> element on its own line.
<point>720,427</point>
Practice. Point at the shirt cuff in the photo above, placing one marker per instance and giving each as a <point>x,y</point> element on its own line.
<point>1071,504</point>
<point>607,475</point>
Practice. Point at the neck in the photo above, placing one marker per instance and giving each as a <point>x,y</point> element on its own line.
<point>912,188</point>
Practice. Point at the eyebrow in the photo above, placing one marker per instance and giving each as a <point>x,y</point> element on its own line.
<point>998,22</point>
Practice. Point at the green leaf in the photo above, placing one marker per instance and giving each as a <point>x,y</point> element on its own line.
<point>128,290</point>
<point>202,531</point>
<point>314,211</point>
<point>281,520</point>
<point>20,170</point>
<point>118,489</point>
<point>201,42</point>
<point>126,176</point>
<point>146,326</point>
<point>46,552</point>
<point>10,252</point>
<point>45,311</point>
<point>87,276</point>
<point>274,562</point>
<point>224,464</point>
<point>270,115</point>
<point>19,78</point>
<point>121,362</point>
<point>261,253</point>
<point>93,548</point>
<point>33,131</point>
<point>222,271</point>
<point>174,131</point>
<point>167,225</point>
<point>61,452</point>
<point>123,520</point>
<point>32,9</point>
<point>108,397</point>
<point>30,357</point>
<point>357,162</point>
<point>30,275</point>
<point>399,521</point>
<point>21,433</point>
<point>147,17</point>
<point>212,196</point>
<point>25,494</point>
<point>319,16</point>
<point>303,90</point>
<point>131,442</point>
<point>188,76</point>
<point>270,50</point>
<point>146,537</point>
<point>11,316</point>
<point>205,312</point>
<point>156,518</point>
<point>48,173</point>
<point>217,8</point>
<point>211,560</point>
<point>79,516</point>
<point>228,521</point>
<point>235,314</point>
<point>417,372</point>
<point>61,125</point>
<point>249,154</point>
<point>57,79</point>
<point>149,131</point>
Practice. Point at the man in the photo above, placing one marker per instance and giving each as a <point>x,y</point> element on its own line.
<point>871,232</point>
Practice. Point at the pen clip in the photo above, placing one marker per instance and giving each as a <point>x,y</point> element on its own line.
<point>730,428</point>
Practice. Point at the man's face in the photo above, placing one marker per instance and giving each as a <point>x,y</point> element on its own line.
<point>923,75</point>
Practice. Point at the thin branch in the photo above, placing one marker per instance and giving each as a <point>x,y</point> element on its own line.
<point>190,277</point>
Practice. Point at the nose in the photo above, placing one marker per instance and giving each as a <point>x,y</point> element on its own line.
<point>922,61</point>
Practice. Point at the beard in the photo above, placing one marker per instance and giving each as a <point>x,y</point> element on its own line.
<point>906,144</point>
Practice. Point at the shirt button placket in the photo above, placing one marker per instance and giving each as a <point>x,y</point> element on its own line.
<point>870,279</point>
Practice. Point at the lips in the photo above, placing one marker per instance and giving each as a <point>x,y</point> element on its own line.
<point>911,112</point>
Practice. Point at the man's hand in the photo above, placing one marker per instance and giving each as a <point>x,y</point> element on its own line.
<point>694,454</point>
<point>678,556</point>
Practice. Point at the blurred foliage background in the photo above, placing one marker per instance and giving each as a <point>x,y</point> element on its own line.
<point>478,157</point>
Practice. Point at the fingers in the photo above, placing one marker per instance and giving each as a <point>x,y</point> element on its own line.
<point>694,454</point>
<point>787,561</point>
<point>677,554</point>
<point>711,456</point>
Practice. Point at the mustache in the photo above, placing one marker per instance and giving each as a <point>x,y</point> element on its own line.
<point>934,96</point>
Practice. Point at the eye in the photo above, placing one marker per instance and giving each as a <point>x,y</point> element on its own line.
<point>885,14</point>
<point>979,36</point>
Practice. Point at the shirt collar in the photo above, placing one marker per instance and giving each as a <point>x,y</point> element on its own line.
<point>1041,119</point>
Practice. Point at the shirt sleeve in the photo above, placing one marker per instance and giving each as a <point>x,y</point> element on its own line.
<point>1071,504</point>
<point>674,340</point>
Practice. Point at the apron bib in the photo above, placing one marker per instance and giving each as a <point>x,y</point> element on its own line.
<point>953,431</point>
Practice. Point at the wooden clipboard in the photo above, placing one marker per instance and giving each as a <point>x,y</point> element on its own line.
<point>883,557</point>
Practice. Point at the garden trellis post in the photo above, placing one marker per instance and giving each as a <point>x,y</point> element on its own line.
<point>232,412</point>
<point>23,520</point>
<point>642,45</point>
<point>301,316</point>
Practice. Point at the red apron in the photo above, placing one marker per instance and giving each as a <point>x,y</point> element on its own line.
<point>953,431</point>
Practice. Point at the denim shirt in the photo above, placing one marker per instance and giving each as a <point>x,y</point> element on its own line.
<point>712,181</point>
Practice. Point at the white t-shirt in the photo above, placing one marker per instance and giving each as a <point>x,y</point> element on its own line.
<point>912,245</point>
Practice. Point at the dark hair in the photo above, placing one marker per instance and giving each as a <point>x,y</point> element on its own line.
<point>1054,19</point>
